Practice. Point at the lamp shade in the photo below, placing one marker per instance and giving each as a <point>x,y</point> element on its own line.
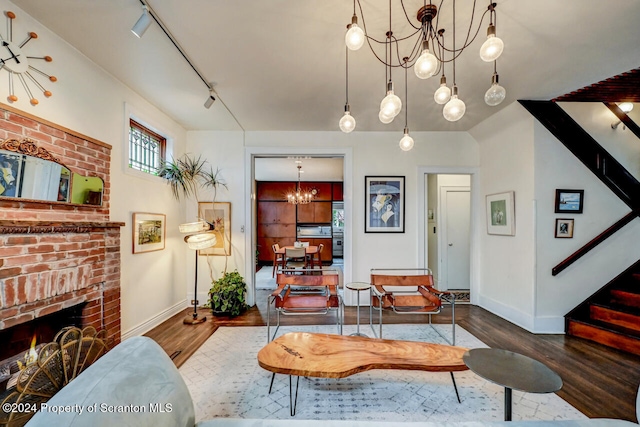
<point>194,227</point>
<point>201,240</point>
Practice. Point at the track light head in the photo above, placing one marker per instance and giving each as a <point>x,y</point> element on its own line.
<point>143,22</point>
<point>210,100</point>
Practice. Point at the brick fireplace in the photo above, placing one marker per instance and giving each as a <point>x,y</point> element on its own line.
<point>58,255</point>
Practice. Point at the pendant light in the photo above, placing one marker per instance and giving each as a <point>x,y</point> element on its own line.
<point>492,48</point>
<point>354,39</point>
<point>455,108</point>
<point>443,93</point>
<point>496,93</point>
<point>406,143</point>
<point>427,64</point>
<point>347,122</point>
<point>391,104</point>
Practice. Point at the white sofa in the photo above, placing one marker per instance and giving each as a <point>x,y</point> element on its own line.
<point>136,384</point>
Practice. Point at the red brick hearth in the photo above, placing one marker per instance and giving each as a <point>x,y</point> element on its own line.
<point>47,267</point>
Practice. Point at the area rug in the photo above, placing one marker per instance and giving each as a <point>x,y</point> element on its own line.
<point>225,380</point>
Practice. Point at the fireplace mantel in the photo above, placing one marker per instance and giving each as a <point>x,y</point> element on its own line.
<point>31,227</point>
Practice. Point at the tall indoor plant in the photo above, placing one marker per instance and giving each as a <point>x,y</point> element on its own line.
<point>185,176</point>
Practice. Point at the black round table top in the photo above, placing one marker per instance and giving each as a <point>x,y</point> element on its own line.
<point>512,370</point>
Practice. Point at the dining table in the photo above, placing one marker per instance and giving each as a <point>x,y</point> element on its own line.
<point>311,252</point>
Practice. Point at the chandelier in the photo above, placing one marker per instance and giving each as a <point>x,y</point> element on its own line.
<point>298,196</point>
<point>424,49</point>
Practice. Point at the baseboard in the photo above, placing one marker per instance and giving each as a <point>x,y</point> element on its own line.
<point>509,313</point>
<point>549,325</point>
<point>151,323</point>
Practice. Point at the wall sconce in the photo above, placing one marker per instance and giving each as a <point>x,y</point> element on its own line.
<point>626,107</point>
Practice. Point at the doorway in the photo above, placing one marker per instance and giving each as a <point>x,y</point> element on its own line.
<point>448,230</point>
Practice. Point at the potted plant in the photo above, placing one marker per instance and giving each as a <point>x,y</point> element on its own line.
<point>227,295</point>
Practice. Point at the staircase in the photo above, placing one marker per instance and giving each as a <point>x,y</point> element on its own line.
<point>611,316</point>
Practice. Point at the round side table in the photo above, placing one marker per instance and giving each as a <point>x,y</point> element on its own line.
<point>358,286</point>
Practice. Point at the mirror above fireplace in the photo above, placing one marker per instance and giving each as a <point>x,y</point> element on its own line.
<point>33,173</point>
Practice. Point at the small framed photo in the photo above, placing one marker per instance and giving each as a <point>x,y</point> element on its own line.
<point>148,232</point>
<point>569,201</point>
<point>384,204</point>
<point>501,214</point>
<point>564,228</point>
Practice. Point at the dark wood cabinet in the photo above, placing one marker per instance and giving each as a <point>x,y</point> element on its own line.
<point>314,213</point>
<point>336,191</point>
<point>276,212</point>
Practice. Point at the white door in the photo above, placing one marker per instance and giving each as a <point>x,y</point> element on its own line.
<point>455,243</point>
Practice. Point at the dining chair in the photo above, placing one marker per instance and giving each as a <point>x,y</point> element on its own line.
<point>295,258</point>
<point>320,248</point>
<point>277,258</point>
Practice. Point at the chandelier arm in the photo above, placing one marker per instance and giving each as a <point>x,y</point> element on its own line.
<point>407,16</point>
<point>458,51</point>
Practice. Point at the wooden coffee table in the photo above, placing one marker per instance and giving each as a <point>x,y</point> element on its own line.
<point>339,356</point>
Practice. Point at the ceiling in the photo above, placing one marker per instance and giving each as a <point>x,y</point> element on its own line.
<point>280,64</point>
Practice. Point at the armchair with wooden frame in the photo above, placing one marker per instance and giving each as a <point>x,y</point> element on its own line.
<point>408,291</point>
<point>302,294</point>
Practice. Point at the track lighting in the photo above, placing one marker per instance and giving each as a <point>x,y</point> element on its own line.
<point>210,100</point>
<point>143,22</point>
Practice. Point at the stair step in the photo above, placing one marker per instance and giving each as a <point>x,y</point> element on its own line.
<point>625,297</point>
<point>619,338</point>
<point>619,315</point>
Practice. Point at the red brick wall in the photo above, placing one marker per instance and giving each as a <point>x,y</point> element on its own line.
<point>54,255</point>
<point>81,154</point>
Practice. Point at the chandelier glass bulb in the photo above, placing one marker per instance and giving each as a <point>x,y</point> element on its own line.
<point>455,108</point>
<point>354,38</point>
<point>347,122</point>
<point>495,94</point>
<point>492,47</point>
<point>391,104</point>
<point>406,143</point>
<point>443,94</point>
<point>426,65</point>
<point>384,118</point>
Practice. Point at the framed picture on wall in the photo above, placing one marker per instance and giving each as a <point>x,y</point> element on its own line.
<point>10,167</point>
<point>570,201</point>
<point>219,214</point>
<point>501,214</point>
<point>564,228</point>
<point>384,204</point>
<point>148,232</point>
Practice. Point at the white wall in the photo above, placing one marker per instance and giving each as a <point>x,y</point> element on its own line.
<point>507,281</point>
<point>557,168</point>
<point>372,153</point>
<point>88,100</point>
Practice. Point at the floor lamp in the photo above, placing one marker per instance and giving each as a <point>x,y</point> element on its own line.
<point>203,237</point>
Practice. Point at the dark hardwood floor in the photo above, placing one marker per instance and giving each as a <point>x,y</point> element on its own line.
<point>598,381</point>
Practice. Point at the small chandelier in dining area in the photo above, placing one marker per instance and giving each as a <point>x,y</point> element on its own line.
<point>422,46</point>
<point>299,196</point>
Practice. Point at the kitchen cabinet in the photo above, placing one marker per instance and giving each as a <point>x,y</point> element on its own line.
<point>276,224</point>
<point>274,190</point>
<point>336,191</point>
<point>314,213</point>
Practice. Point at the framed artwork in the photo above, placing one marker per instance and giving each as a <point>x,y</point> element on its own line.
<point>501,214</point>
<point>570,201</point>
<point>10,167</point>
<point>384,204</point>
<point>148,232</point>
<point>564,228</point>
<point>219,214</point>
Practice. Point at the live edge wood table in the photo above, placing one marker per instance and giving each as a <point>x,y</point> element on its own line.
<point>339,356</point>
